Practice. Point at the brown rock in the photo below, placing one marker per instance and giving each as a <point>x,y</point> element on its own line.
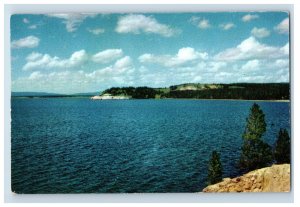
<point>270,179</point>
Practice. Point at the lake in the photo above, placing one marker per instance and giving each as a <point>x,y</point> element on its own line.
<point>77,145</point>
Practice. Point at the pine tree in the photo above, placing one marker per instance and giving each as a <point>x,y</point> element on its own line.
<point>256,125</point>
<point>282,152</point>
<point>214,168</point>
<point>255,152</point>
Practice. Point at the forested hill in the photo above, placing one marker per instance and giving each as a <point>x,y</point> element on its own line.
<point>245,91</point>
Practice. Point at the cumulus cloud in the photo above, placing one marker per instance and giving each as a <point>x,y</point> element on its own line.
<point>260,32</point>
<point>118,74</point>
<point>201,23</point>
<point>72,20</point>
<point>33,56</point>
<point>107,56</point>
<point>254,79</point>
<point>26,21</point>
<point>283,27</point>
<point>34,26</point>
<point>27,42</point>
<point>96,31</point>
<point>285,49</point>
<point>227,26</point>
<point>184,56</point>
<point>252,49</point>
<point>40,61</point>
<point>137,23</point>
<point>249,17</point>
<point>121,67</point>
<point>281,63</point>
<point>35,75</point>
<point>215,66</point>
<point>124,62</point>
<point>204,24</point>
<point>251,65</point>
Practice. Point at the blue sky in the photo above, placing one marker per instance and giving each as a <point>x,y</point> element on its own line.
<point>71,53</point>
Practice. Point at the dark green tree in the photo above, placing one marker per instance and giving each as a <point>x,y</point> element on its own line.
<point>255,152</point>
<point>214,169</point>
<point>256,125</point>
<point>282,151</point>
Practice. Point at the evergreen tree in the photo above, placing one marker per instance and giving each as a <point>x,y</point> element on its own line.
<point>255,152</point>
<point>282,152</point>
<point>214,168</point>
<point>256,125</point>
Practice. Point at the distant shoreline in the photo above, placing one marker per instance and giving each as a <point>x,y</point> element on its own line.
<point>267,100</point>
<point>88,97</point>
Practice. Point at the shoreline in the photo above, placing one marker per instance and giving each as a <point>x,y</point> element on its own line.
<point>88,97</point>
<point>266,100</point>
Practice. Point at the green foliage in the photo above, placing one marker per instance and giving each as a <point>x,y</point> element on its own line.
<point>246,91</point>
<point>282,152</point>
<point>256,125</point>
<point>214,169</point>
<point>137,93</point>
<point>255,154</point>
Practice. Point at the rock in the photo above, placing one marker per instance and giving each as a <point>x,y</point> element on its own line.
<point>270,179</point>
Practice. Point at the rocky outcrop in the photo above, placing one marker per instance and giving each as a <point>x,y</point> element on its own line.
<point>270,179</point>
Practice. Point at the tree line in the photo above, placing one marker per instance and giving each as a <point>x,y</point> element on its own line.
<point>245,91</point>
<point>255,152</point>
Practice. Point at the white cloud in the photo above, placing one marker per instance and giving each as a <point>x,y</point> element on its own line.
<point>204,24</point>
<point>254,79</point>
<point>96,31</point>
<point>215,66</point>
<point>251,65</point>
<point>252,49</point>
<point>285,49</point>
<point>281,63</point>
<point>121,73</point>
<point>26,21</point>
<point>283,27</point>
<point>227,26</point>
<point>37,60</point>
<point>201,23</point>
<point>184,55</point>
<point>124,62</point>
<point>27,42</point>
<point>137,23</point>
<point>34,26</point>
<point>249,17</point>
<point>260,32</point>
<point>107,56</point>
<point>120,67</point>
<point>33,56</point>
<point>35,75</point>
<point>72,20</point>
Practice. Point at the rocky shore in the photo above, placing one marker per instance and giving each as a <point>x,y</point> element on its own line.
<point>270,179</point>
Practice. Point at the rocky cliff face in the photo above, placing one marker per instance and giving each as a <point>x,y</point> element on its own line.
<point>270,179</point>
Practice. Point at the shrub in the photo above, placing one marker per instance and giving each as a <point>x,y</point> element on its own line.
<point>214,169</point>
<point>282,152</point>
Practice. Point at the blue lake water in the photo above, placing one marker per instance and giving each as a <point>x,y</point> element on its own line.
<point>76,145</point>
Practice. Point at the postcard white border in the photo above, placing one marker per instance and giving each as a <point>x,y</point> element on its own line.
<point>10,197</point>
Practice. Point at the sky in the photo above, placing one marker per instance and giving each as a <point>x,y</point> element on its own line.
<point>88,52</point>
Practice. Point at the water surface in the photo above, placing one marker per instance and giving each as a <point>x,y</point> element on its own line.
<point>72,145</point>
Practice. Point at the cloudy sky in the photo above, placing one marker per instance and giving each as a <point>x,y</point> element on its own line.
<point>71,53</point>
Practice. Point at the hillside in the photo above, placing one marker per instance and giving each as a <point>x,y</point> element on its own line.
<point>270,179</point>
<point>244,91</point>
